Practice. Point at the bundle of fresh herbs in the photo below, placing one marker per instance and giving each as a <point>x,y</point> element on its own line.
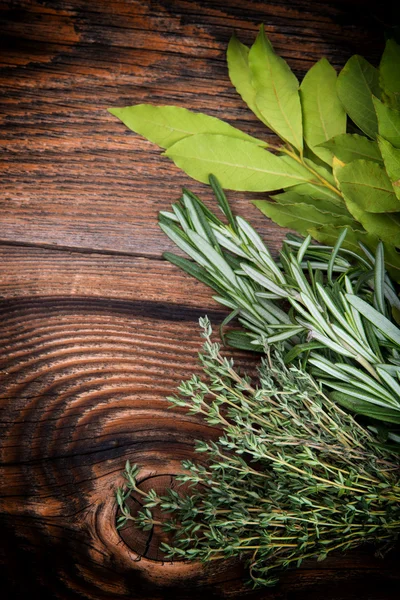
<point>291,477</point>
<point>328,305</point>
<point>331,178</point>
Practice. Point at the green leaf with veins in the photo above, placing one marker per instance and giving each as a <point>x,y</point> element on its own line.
<point>238,164</point>
<point>392,261</point>
<point>318,192</point>
<point>277,91</point>
<point>323,113</point>
<point>166,125</point>
<point>367,185</point>
<point>240,74</point>
<point>391,157</point>
<point>388,122</point>
<point>302,217</point>
<point>357,83</point>
<point>351,146</point>
<point>324,205</point>
<point>385,226</point>
<point>389,70</point>
<point>323,170</point>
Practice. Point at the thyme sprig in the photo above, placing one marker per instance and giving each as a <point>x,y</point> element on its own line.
<point>328,304</point>
<point>291,477</point>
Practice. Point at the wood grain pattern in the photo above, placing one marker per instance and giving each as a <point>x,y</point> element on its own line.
<point>95,328</point>
<point>74,59</point>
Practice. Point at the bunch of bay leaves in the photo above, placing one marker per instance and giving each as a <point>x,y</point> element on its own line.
<point>337,164</point>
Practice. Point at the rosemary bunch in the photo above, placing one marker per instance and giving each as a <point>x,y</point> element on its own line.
<point>332,306</point>
<point>291,477</point>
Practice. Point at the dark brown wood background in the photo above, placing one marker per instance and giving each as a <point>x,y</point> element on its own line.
<point>96,329</point>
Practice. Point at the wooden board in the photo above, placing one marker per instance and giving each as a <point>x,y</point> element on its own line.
<point>96,329</point>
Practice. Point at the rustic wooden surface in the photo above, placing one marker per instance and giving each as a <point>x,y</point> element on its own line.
<point>96,329</point>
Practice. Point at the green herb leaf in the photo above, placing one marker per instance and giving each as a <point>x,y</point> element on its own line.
<point>389,69</point>
<point>213,257</point>
<point>363,407</point>
<point>192,269</point>
<point>388,122</point>
<point>277,95</point>
<point>322,170</point>
<point>241,341</point>
<point>351,146</point>
<point>318,192</point>
<point>222,201</point>
<point>323,113</point>
<point>181,240</point>
<point>292,197</point>
<point>379,321</point>
<point>301,216</point>
<point>357,83</point>
<point>240,74</point>
<point>379,278</point>
<point>392,263</point>
<point>329,235</point>
<point>385,227</point>
<point>391,157</point>
<point>239,165</point>
<point>198,219</point>
<point>366,184</point>
<point>166,125</point>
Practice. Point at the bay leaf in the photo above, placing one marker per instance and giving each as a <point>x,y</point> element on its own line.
<point>308,153</point>
<point>318,191</point>
<point>388,122</point>
<point>240,74</point>
<point>324,205</point>
<point>391,157</point>
<point>392,261</point>
<point>385,226</point>
<point>277,91</point>
<point>166,125</point>
<point>304,168</point>
<point>351,146</point>
<point>367,185</point>
<point>389,70</point>
<point>301,217</point>
<point>328,235</point>
<point>323,170</point>
<point>323,113</point>
<point>358,81</point>
<point>337,165</point>
<point>238,164</point>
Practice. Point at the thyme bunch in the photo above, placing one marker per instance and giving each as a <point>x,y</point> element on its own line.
<point>291,477</point>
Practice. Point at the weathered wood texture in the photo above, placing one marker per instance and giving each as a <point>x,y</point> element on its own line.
<point>96,329</point>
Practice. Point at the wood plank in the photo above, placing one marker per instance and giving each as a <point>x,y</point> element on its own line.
<point>29,272</point>
<point>96,330</point>
<point>83,389</point>
<point>72,175</point>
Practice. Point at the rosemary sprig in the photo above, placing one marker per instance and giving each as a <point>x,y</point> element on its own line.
<point>329,305</point>
<point>291,477</point>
